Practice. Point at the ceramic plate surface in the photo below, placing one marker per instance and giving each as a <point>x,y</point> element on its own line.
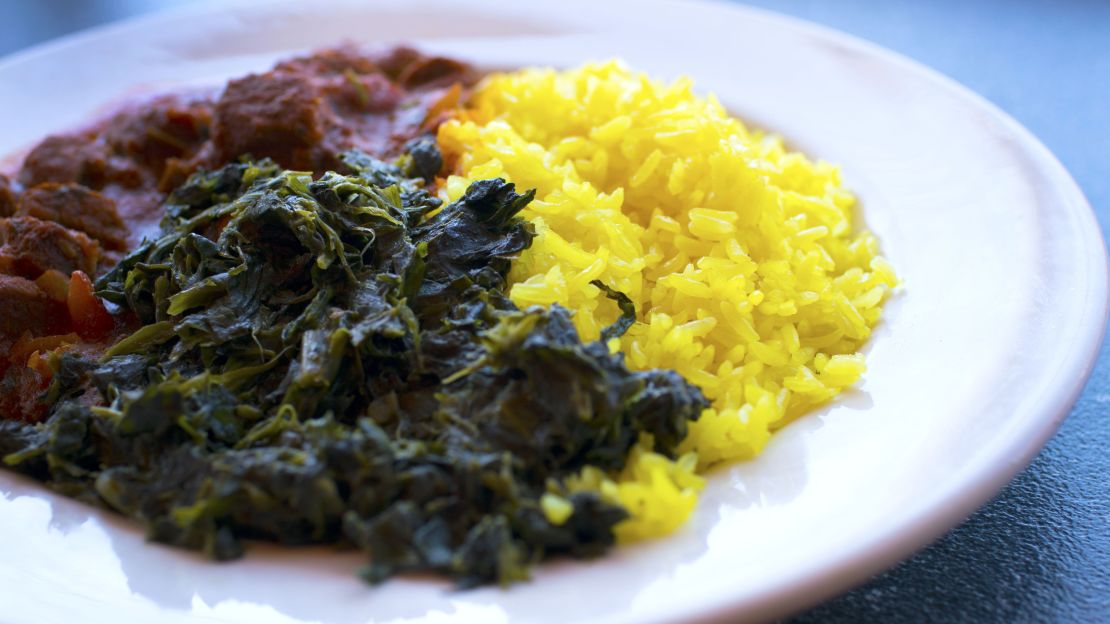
<point>975,365</point>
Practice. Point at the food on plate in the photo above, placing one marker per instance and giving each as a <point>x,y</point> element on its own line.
<point>463,325</point>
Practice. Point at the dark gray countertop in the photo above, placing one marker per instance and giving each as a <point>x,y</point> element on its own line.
<point>1040,551</point>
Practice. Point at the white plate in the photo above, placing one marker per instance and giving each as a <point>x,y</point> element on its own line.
<point>973,369</point>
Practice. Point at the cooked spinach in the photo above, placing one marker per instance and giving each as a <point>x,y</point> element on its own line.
<point>334,360</point>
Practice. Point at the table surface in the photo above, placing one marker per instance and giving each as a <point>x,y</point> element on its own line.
<point>1041,550</point>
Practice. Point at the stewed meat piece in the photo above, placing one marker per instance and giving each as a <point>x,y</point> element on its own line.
<point>76,207</point>
<point>274,115</point>
<point>26,307</point>
<point>77,158</point>
<point>30,246</point>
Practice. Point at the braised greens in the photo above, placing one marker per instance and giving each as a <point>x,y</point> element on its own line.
<point>335,360</point>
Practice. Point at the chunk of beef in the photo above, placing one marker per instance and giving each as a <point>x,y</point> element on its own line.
<point>348,80</point>
<point>24,306</point>
<point>7,197</point>
<point>432,71</point>
<point>353,94</point>
<point>337,60</point>
<point>156,131</point>
<point>275,115</point>
<point>395,60</point>
<point>66,159</point>
<point>78,208</point>
<point>30,246</point>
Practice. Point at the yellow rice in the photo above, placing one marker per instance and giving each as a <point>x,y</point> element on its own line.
<point>741,257</point>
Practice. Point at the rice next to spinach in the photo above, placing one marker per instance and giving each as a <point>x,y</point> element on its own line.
<point>740,256</point>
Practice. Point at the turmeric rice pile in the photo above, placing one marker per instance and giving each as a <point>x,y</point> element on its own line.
<point>741,257</point>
